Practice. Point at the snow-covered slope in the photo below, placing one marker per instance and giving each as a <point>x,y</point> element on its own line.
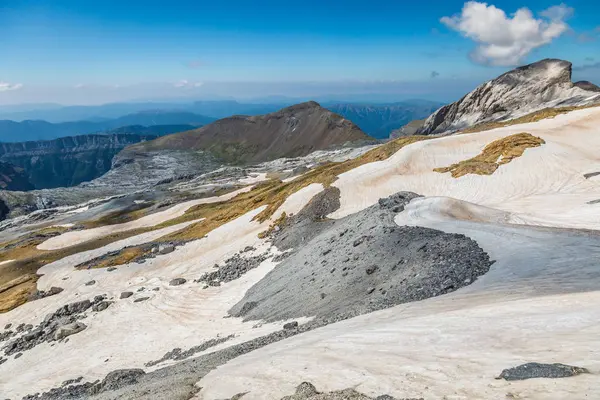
<point>526,89</point>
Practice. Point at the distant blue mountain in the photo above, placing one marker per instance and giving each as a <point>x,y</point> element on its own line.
<point>147,122</point>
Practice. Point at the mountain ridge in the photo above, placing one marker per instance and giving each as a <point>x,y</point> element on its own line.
<point>290,132</point>
<point>543,84</point>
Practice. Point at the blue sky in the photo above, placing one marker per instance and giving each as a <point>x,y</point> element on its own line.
<point>95,51</point>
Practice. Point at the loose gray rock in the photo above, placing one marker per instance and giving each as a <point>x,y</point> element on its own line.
<point>126,295</point>
<point>90,283</point>
<point>177,281</point>
<point>291,325</point>
<point>140,299</point>
<point>166,249</point>
<point>101,306</point>
<point>537,370</point>
<point>68,330</point>
<point>110,269</point>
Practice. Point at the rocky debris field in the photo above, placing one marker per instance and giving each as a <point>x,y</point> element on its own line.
<point>232,269</point>
<point>362,263</point>
<point>55,327</point>
<point>307,391</point>
<point>537,370</point>
<point>177,354</point>
<point>113,381</point>
<point>148,251</point>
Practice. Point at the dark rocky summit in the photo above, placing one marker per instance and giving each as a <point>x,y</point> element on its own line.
<point>544,84</point>
<point>291,132</point>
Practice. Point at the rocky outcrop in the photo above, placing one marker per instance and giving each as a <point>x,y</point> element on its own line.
<point>409,129</point>
<point>291,132</point>
<point>544,84</point>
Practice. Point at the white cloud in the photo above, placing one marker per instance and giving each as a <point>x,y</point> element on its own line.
<point>506,40</point>
<point>181,83</point>
<point>187,84</point>
<point>5,86</point>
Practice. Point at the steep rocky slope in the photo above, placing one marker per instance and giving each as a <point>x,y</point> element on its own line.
<point>294,131</point>
<point>66,161</point>
<point>13,178</point>
<point>544,84</point>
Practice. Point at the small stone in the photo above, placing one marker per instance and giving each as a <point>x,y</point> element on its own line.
<point>291,325</point>
<point>326,252</point>
<point>372,269</point>
<point>68,330</point>
<point>18,355</point>
<point>177,281</point>
<point>332,270</point>
<point>306,390</point>
<point>156,289</point>
<point>103,305</point>
<point>126,295</point>
<point>166,249</point>
<point>54,290</point>
<point>138,300</point>
<point>323,295</point>
<point>371,290</point>
<point>110,269</point>
<point>90,283</point>
<point>7,326</point>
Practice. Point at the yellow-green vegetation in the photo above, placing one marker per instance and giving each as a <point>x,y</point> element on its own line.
<point>279,221</point>
<point>495,154</point>
<point>15,292</point>
<point>18,278</point>
<point>125,256</point>
<point>532,117</point>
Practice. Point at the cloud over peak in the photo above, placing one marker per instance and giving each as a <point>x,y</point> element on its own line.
<point>5,86</point>
<point>503,40</point>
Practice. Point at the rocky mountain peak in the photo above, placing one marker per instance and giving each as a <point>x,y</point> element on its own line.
<point>543,84</point>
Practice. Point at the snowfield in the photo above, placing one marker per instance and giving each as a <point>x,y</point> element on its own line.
<point>540,301</point>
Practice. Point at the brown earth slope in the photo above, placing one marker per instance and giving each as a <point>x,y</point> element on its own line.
<point>291,132</point>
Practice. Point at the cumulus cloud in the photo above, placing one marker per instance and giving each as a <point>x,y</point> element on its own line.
<point>506,40</point>
<point>434,74</point>
<point>5,86</point>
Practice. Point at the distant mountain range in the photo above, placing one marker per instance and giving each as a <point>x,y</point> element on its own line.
<point>379,120</point>
<point>50,121</point>
<point>153,122</point>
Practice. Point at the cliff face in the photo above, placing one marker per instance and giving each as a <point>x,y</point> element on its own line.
<point>13,178</point>
<point>66,161</point>
<point>544,84</point>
